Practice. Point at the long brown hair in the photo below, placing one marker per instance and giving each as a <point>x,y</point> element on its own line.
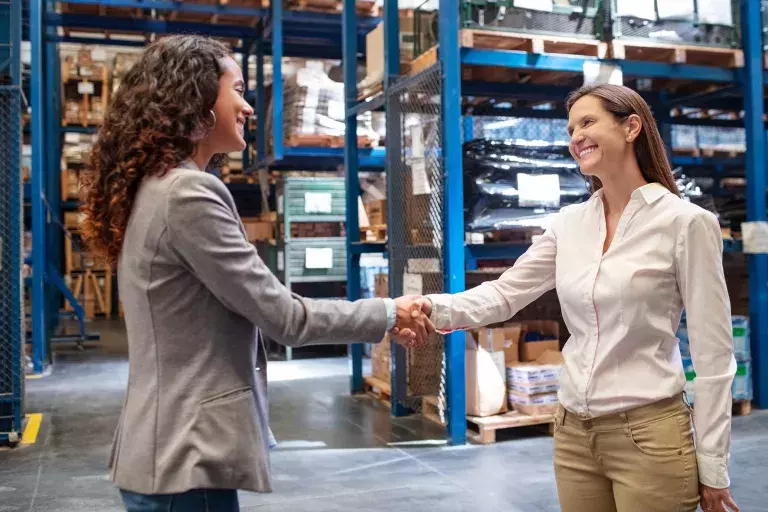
<point>153,122</point>
<point>622,102</point>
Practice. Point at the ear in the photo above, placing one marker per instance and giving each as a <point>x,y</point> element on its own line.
<point>634,127</point>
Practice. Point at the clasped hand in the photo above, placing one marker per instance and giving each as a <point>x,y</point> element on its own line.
<point>412,327</point>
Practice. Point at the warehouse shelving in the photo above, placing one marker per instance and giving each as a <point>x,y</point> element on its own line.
<point>256,31</point>
<point>735,89</point>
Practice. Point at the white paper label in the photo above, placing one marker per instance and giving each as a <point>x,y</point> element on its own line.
<point>538,190</point>
<point>679,9</point>
<point>318,202</point>
<point>534,5</point>
<point>336,110</point>
<point>98,55</point>
<point>419,177</point>
<point>716,12</point>
<point>413,284</point>
<point>85,87</point>
<point>755,235</point>
<point>636,8</point>
<point>71,138</point>
<point>596,72</point>
<point>280,205</point>
<point>280,261</point>
<point>318,258</point>
<point>417,141</point>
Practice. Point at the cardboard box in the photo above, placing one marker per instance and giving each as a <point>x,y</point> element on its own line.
<point>538,336</point>
<point>72,220</point>
<point>503,339</point>
<point>534,405</point>
<point>740,329</point>
<point>377,212</point>
<point>486,393</point>
<point>546,368</point>
<point>258,230</point>
<point>380,359</point>
<point>532,388</point>
<point>381,285</point>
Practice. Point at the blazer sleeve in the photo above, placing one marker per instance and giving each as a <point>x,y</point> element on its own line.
<point>206,235</point>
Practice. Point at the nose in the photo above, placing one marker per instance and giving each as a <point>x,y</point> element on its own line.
<point>576,139</point>
<point>247,109</point>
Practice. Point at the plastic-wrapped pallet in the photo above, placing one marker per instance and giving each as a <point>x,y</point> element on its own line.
<point>742,388</point>
<point>314,110</point>
<point>518,183</point>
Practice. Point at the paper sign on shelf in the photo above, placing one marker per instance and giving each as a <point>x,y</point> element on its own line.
<point>318,202</point>
<point>419,177</point>
<point>645,9</point>
<point>755,237</point>
<point>678,9</point>
<point>534,5</point>
<point>72,138</point>
<point>596,72</point>
<point>318,258</point>
<point>716,12</point>
<point>542,190</point>
<point>413,284</point>
<point>417,141</point>
<point>85,87</point>
<point>280,261</point>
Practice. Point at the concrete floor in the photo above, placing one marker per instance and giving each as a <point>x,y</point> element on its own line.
<point>336,452</point>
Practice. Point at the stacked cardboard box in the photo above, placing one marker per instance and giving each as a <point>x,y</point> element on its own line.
<point>259,230</point>
<point>533,386</point>
<point>377,212</point>
<point>315,230</point>
<point>381,352</point>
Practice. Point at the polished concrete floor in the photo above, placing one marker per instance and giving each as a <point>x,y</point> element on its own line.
<point>336,453</point>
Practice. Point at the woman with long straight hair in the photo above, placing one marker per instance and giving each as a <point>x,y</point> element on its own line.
<point>625,263</point>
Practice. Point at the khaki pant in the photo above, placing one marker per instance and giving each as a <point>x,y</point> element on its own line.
<point>641,460</point>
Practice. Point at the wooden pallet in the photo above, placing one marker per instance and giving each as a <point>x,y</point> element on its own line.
<point>325,141</point>
<point>672,53</point>
<point>377,388</point>
<point>94,290</point>
<point>488,426</point>
<point>377,233</point>
<point>742,407</point>
<point>707,152</point>
<point>362,7</point>
<point>514,235</point>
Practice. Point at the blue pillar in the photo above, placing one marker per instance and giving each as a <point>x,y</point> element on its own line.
<point>398,354</point>
<point>277,80</point>
<point>756,185</point>
<point>349,61</point>
<point>261,110</point>
<point>453,215</point>
<point>52,165</point>
<point>39,239</point>
<point>244,65</point>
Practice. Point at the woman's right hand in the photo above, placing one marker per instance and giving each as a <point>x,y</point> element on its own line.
<point>413,326</point>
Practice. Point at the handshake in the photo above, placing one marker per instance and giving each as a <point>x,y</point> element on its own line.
<point>413,326</point>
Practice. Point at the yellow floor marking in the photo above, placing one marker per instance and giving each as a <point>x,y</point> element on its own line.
<point>32,429</point>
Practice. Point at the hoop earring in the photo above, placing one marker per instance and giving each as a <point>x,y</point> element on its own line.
<point>214,117</point>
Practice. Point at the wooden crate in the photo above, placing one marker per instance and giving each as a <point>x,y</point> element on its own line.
<point>375,233</point>
<point>672,53</point>
<point>93,290</point>
<point>742,407</point>
<point>377,388</point>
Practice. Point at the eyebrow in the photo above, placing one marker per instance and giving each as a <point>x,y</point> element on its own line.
<point>239,81</point>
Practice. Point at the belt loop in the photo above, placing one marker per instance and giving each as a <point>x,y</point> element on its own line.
<point>625,420</point>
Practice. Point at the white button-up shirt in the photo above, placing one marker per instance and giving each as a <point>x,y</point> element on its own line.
<point>623,309</point>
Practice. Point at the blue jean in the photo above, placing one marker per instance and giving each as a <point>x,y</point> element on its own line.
<point>201,500</point>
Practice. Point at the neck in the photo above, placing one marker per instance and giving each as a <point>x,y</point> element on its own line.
<point>202,156</point>
<point>617,190</point>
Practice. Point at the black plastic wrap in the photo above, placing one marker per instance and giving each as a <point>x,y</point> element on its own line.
<point>491,183</point>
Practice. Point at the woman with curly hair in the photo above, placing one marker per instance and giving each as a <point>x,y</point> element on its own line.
<point>196,296</point>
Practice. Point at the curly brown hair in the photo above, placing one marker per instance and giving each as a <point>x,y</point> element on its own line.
<point>161,109</point>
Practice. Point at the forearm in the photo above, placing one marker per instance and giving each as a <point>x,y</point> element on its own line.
<point>477,307</point>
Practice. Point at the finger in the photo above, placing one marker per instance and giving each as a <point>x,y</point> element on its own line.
<point>395,330</point>
<point>731,504</point>
<point>429,325</point>
<point>421,331</point>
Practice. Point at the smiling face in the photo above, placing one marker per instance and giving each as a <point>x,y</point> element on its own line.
<point>231,111</point>
<point>600,142</point>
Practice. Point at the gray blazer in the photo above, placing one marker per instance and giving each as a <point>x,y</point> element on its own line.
<point>195,294</point>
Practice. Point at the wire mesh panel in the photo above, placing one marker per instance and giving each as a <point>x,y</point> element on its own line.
<point>415,226</point>
<point>11,375</point>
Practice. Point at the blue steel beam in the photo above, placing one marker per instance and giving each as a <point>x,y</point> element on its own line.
<point>754,109</point>
<point>37,180</point>
<point>277,80</point>
<point>144,25</point>
<point>349,62</point>
<point>398,355</point>
<point>261,108</point>
<point>453,214</point>
<point>181,7</point>
<point>575,64</point>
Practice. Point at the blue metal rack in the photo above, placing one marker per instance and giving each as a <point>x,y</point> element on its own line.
<point>738,88</point>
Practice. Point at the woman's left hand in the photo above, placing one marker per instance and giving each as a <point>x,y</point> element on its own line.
<point>717,500</point>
